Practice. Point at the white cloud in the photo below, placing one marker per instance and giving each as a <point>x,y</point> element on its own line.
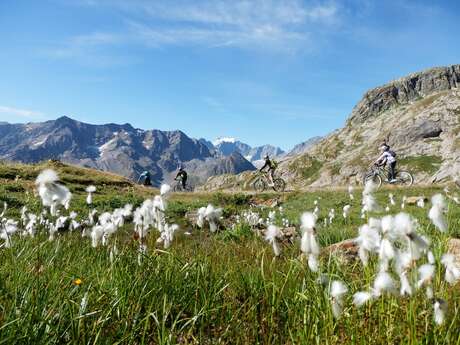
<point>269,25</point>
<point>23,113</point>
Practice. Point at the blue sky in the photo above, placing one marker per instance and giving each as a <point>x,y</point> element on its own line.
<point>263,71</point>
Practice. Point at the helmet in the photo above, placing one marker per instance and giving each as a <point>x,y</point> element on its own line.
<point>384,147</point>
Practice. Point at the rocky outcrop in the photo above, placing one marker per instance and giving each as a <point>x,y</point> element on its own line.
<point>404,91</point>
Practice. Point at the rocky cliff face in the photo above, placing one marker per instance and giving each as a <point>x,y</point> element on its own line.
<point>419,116</point>
<point>405,90</point>
<point>121,149</point>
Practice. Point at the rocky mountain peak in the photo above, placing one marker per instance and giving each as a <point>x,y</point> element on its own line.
<point>121,149</point>
<point>404,91</point>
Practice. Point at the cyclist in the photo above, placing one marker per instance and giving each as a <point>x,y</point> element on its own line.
<point>271,165</point>
<point>145,176</point>
<point>182,175</point>
<point>388,156</point>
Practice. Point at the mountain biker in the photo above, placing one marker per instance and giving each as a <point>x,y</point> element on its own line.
<point>182,175</point>
<point>146,177</point>
<point>271,165</point>
<point>388,156</point>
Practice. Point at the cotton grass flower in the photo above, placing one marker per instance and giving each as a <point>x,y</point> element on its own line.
<point>384,283</point>
<point>406,288</point>
<point>391,198</point>
<point>346,211</point>
<point>350,192</point>
<point>452,275</point>
<point>368,241</point>
<point>362,297</point>
<point>271,236</point>
<point>369,202</point>
<point>426,273</point>
<point>213,215</point>
<point>201,217</point>
<point>7,229</point>
<point>308,244</point>
<point>403,203</point>
<point>440,310</point>
<point>51,192</point>
<point>331,215</point>
<point>168,235</point>
<point>436,213</point>
<point>421,203</point>
<point>337,291</point>
<point>90,190</point>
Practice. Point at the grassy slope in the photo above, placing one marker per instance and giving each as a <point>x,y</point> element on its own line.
<point>224,288</point>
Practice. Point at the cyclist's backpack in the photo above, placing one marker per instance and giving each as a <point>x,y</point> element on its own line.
<point>392,153</point>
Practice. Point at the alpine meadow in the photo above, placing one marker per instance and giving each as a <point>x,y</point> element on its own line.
<point>230,172</point>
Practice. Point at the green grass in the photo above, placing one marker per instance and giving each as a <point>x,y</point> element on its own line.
<point>426,164</point>
<point>225,288</point>
<point>306,167</point>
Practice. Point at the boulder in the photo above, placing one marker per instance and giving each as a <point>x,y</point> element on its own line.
<point>453,247</point>
<point>412,200</point>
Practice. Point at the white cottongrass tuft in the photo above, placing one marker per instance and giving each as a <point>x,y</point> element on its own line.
<point>337,291</point>
<point>369,202</point>
<point>52,193</point>
<point>165,189</point>
<point>406,288</point>
<point>452,270</point>
<point>7,229</point>
<point>350,192</point>
<point>346,211</point>
<point>391,198</point>
<point>440,310</point>
<point>201,217</point>
<point>421,203</point>
<point>384,283</point>
<point>308,243</point>
<point>362,297</point>
<point>271,236</point>
<point>90,190</point>
<point>368,241</point>
<point>212,215</point>
<point>168,234</point>
<point>425,275</point>
<point>436,213</point>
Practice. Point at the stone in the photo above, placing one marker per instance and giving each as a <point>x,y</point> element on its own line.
<point>453,247</point>
<point>412,200</point>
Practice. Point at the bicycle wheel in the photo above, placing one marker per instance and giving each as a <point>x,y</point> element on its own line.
<point>405,178</point>
<point>279,185</point>
<point>376,179</point>
<point>177,188</point>
<point>259,185</point>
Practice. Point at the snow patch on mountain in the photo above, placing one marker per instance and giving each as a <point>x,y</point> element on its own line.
<point>222,140</point>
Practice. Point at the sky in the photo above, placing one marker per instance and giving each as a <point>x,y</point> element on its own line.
<point>263,71</point>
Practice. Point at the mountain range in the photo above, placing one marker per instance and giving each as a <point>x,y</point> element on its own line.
<point>121,149</point>
<point>127,151</point>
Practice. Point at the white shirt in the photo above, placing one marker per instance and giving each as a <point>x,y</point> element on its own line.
<point>386,157</point>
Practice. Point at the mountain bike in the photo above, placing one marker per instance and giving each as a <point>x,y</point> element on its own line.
<point>262,182</point>
<point>179,188</point>
<point>378,174</point>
